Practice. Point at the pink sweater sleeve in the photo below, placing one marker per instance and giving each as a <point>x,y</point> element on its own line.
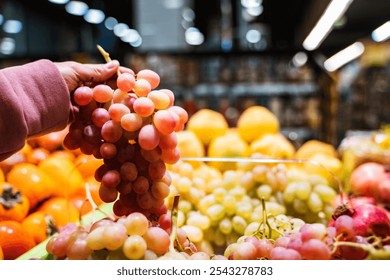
<point>34,100</point>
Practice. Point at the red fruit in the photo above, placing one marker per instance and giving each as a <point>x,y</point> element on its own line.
<point>384,190</point>
<point>371,219</point>
<point>355,201</point>
<point>14,240</point>
<point>366,178</point>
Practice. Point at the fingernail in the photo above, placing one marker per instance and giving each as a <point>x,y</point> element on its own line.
<point>112,64</point>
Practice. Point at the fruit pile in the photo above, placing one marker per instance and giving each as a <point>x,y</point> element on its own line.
<point>185,188</point>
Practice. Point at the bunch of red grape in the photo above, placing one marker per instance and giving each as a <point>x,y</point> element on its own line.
<point>131,126</point>
<point>313,242</point>
<point>129,237</point>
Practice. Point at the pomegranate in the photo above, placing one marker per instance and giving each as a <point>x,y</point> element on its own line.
<point>371,219</point>
<point>366,178</point>
<point>384,189</point>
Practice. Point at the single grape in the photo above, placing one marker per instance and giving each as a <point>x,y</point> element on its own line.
<point>117,111</point>
<point>149,137</point>
<point>131,122</point>
<point>102,93</point>
<point>108,150</point>
<point>164,121</point>
<point>134,247</point>
<point>170,95</point>
<point>315,249</point>
<point>111,131</point>
<point>142,87</point>
<point>157,240</point>
<point>100,116</point>
<point>125,82</point>
<point>83,95</point>
<point>152,77</point>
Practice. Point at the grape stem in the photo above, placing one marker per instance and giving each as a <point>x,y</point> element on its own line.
<point>95,207</point>
<point>106,56</point>
<point>174,214</point>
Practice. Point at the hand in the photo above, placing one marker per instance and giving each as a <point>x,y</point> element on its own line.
<point>76,74</point>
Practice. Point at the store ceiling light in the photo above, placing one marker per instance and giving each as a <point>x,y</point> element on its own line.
<point>58,1</point>
<point>76,8</point>
<point>344,56</point>
<point>130,36</point>
<point>299,59</point>
<point>94,16</point>
<point>110,23</point>
<point>253,36</point>
<point>323,27</point>
<point>7,46</point>
<point>382,33</point>
<point>255,11</point>
<point>120,29</point>
<point>251,3</point>
<point>12,26</point>
<point>194,36</point>
<point>137,43</point>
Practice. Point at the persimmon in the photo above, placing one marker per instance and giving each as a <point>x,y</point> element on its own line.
<point>1,254</point>
<point>82,204</point>
<point>34,183</point>
<point>51,141</point>
<point>39,225</point>
<point>13,204</point>
<point>63,171</point>
<point>61,209</point>
<point>14,240</point>
<point>2,178</point>
<point>37,155</point>
<point>87,164</point>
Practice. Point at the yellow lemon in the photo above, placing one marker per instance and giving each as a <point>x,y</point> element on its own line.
<point>207,125</point>
<point>273,146</point>
<point>326,166</point>
<point>230,145</point>
<point>312,147</point>
<point>255,122</point>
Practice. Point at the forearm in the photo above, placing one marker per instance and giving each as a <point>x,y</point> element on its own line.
<point>34,100</point>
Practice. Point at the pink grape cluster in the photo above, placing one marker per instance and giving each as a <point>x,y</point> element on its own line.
<point>131,237</point>
<point>312,242</point>
<point>131,126</point>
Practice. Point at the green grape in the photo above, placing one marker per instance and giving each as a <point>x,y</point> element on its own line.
<point>303,190</point>
<point>215,212</point>
<point>206,202</point>
<point>239,224</point>
<point>219,194</point>
<point>244,210</point>
<point>300,206</point>
<point>315,203</point>
<point>229,202</point>
<point>264,191</point>
<point>326,193</point>
<point>225,226</point>
<point>198,220</point>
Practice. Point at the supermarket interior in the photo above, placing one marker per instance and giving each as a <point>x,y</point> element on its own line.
<point>273,75</point>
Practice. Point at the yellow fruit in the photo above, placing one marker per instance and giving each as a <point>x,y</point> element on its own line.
<point>2,178</point>
<point>325,166</point>
<point>273,146</point>
<point>64,172</point>
<point>230,145</point>
<point>189,144</point>
<point>255,122</point>
<point>207,125</point>
<point>312,147</point>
